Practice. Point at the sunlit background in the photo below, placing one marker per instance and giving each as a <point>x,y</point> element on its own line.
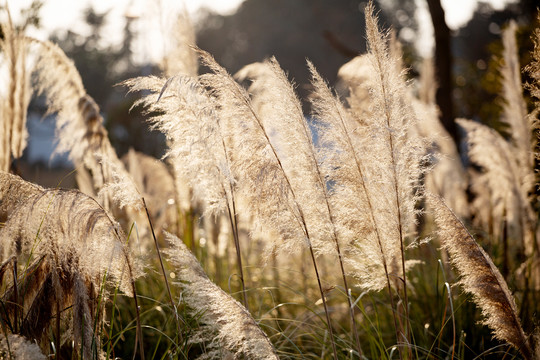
<point>60,15</point>
<point>111,41</point>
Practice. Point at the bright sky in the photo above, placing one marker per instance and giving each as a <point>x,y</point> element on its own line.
<point>154,15</point>
<point>67,13</point>
<point>154,18</point>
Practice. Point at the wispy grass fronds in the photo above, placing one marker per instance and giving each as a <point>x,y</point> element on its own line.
<point>17,347</point>
<point>515,110</point>
<point>69,244</point>
<point>495,155</point>
<point>225,325</point>
<point>73,222</point>
<point>186,115</point>
<point>292,134</point>
<point>264,178</point>
<point>255,163</point>
<point>77,113</point>
<point>399,163</point>
<point>390,124</point>
<point>184,197</point>
<point>481,278</point>
<point>197,147</point>
<point>14,103</point>
<point>347,160</point>
<point>342,155</point>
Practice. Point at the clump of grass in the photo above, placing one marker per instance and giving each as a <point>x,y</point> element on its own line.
<point>260,174</point>
<point>380,128</point>
<point>68,244</point>
<point>508,167</point>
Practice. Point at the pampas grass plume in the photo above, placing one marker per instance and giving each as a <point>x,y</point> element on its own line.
<point>224,321</point>
<point>481,278</point>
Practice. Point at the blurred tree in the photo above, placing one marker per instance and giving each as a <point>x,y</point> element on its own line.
<point>476,68</point>
<point>30,17</point>
<point>329,33</point>
<point>96,61</point>
<point>443,68</point>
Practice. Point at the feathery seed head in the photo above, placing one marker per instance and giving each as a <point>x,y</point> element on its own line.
<point>20,348</point>
<point>481,278</point>
<point>224,321</point>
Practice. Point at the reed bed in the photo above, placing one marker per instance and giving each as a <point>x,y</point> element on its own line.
<point>265,232</point>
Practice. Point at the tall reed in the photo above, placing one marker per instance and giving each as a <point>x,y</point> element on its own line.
<point>400,155</point>
<point>508,166</point>
<point>79,125</point>
<point>490,150</point>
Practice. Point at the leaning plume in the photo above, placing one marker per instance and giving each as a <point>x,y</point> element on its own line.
<point>396,162</point>
<point>390,122</point>
<point>366,255</point>
<point>13,107</point>
<point>185,113</point>
<point>68,218</point>
<point>281,112</point>
<point>255,164</point>
<point>79,124</point>
<point>264,177</point>
<point>225,323</point>
<point>481,278</point>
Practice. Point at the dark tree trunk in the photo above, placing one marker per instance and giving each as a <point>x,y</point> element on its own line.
<point>443,68</point>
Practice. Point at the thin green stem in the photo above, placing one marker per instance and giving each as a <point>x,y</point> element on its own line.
<point>163,271</point>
